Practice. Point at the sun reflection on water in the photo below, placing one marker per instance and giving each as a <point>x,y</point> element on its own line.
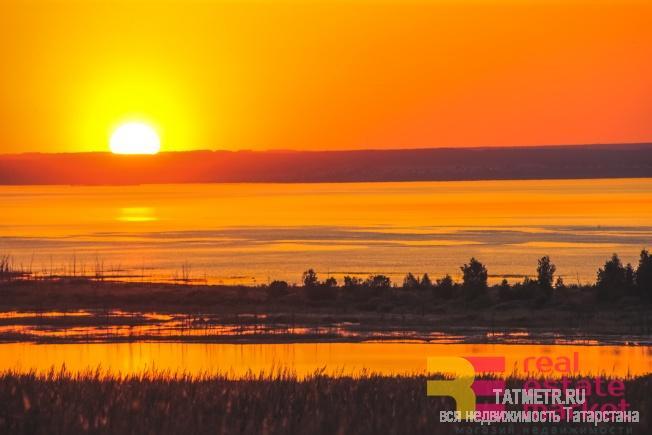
<point>137,214</point>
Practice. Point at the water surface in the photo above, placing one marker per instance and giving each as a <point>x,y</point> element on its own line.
<point>251,233</point>
<point>306,358</point>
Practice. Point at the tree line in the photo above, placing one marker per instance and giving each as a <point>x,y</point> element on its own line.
<point>613,281</point>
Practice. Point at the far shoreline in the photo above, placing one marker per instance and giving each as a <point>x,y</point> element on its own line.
<point>285,183</point>
<point>608,161</point>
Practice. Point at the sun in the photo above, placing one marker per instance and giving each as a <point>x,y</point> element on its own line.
<point>134,138</point>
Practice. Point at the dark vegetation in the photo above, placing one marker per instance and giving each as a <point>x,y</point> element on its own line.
<point>618,304</point>
<point>163,404</point>
<point>614,282</point>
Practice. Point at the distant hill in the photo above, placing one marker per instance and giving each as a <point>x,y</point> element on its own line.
<point>549,162</point>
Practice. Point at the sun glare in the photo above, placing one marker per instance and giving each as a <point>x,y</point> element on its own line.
<point>135,138</point>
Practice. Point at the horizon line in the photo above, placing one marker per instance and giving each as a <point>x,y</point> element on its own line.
<point>352,150</point>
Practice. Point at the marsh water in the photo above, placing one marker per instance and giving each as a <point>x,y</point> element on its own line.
<point>301,359</point>
<point>125,342</point>
<point>120,342</point>
<point>253,233</point>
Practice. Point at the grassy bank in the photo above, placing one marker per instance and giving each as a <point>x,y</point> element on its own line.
<point>156,404</point>
<point>391,312</point>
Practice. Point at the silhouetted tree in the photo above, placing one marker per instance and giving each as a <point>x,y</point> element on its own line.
<point>611,279</point>
<point>545,275</point>
<point>425,283</point>
<point>630,279</point>
<point>309,278</point>
<point>545,272</point>
<point>474,278</point>
<point>644,274</point>
<point>559,284</point>
<point>410,282</point>
<point>330,282</point>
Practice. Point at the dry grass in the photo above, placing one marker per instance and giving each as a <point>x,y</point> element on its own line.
<point>162,404</point>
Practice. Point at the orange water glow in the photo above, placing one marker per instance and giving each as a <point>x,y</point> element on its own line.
<point>249,233</point>
<point>236,360</point>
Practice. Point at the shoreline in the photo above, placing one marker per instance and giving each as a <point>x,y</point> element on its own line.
<point>105,312</point>
<point>221,314</point>
<point>330,340</point>
<point>91,311</point>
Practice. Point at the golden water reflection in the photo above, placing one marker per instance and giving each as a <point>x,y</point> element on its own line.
<point>303,359</point>
<point>137,214</point>
<point>253,233</point>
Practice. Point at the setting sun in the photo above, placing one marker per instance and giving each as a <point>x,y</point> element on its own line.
<point>135,138</point>
<point>369,217</point>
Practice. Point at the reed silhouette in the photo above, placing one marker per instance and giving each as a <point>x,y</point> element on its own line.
<point>165,403</point>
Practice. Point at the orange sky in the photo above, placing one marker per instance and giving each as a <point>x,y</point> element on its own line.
<point>325,74</point>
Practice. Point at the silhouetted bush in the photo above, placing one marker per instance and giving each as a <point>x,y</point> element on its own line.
<point>444,288</point>
<point>352,282</point>
<point>277,289</point>
<point>528,289</point>
<point>379,282</point>
<point>412,282</point>
<point>316,291</point>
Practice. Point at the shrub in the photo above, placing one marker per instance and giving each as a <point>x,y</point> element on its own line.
<point>277,289</point>
<point>380,282</point>
<point>444,288</point>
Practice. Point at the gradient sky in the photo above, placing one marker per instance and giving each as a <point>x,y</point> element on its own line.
<point>325,75</point>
